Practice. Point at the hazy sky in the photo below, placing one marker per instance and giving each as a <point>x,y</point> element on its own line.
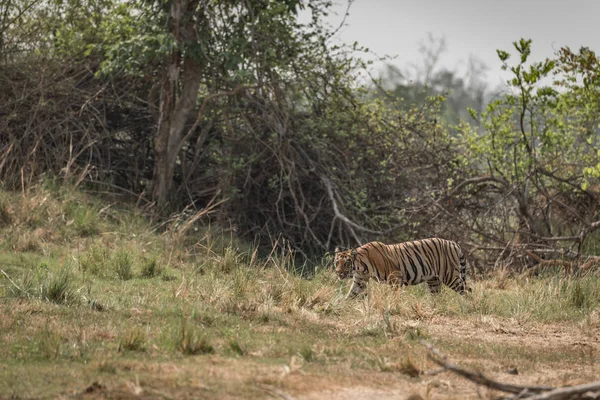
<point>470,27</point>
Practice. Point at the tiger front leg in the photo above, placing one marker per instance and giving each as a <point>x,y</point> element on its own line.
<point>359,284</point>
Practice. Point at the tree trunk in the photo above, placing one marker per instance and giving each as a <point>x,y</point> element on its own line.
<point>177,100</point>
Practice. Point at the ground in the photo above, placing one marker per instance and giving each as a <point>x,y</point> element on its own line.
<point>98,302</point>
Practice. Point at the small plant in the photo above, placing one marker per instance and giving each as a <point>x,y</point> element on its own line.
<point>84,219</point>
<point>414,334</point>
<point>190,342</point>
<point>95,260</point>
<point>151,269</point>
<point>49,344</point>
<point>230,260</point>
<point>134,340</point>
<point>381,363</point>
<point>237,347</point>
<point>203,318</point>
<point>580,296</point>
<point>59,288</point>
<point>96,305</point>
<point>390,327</point>
<point>107,368</point>
<point>307,353</point>
<point>123,265</point>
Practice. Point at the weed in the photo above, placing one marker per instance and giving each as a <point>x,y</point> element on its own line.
<point>578,297</point>
<point>191,342</point>
<point>150,268</point>
<point>84,219</point>
<point>230,260</point>
<point>133,340</point>
<point>49,344</point>
<point>307,353</point>
<point>236,347</point>
<point>107,368</point>
<point>96,305</point>
<point>390,326</point>
<point>416,333</point>
<point>59,288</point>
<point>123,265</point>
<point>95,260</point>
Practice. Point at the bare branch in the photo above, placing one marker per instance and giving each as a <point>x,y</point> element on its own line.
<point>337,212</point>
<point>439,358</point>
<point>477,180</point>
<point>203,108</point>
<point>570,392</point>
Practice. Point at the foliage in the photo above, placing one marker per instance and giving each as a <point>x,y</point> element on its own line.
<point>536,155</point>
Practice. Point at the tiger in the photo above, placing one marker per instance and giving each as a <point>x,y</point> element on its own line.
<point>435,261</point>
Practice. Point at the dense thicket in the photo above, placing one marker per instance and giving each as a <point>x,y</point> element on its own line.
<point>188,103</point>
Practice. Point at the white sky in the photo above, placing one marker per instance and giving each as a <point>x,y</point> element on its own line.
<point>470,27</point>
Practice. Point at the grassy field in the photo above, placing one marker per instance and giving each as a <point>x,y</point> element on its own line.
<point>95,302</point>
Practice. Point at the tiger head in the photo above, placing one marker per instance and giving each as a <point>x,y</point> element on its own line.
<point>344,262</point>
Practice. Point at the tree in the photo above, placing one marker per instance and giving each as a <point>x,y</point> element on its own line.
<point>213,49</point>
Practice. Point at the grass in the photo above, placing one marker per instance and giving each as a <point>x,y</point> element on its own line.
<point>190,341</point>
<point>123,265</point>
<point>109,299</point>
<point>132,340</point>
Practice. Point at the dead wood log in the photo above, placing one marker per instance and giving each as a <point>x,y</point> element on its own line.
<point>439,358</point>
<point>584,391</point>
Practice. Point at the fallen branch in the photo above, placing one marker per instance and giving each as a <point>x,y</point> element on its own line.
<point>590,390</point>
<point>439,358</point>
<point>571,392</point>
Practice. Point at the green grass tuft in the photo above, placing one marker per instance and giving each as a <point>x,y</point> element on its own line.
<point>123,265</point>
<point>133,340</point>
<point>151,268</point>
<point>60,288</point>
<point>190,341</point>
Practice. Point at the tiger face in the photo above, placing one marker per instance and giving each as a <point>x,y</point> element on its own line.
<point>344,262</point>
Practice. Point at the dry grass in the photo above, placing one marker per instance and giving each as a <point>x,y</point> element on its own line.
<point>101,297</point>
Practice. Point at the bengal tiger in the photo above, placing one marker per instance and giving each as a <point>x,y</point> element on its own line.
<point>435,261</point>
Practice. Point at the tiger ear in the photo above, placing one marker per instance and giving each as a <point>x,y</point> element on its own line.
<point>354,252</point>
<point>337,249</point>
